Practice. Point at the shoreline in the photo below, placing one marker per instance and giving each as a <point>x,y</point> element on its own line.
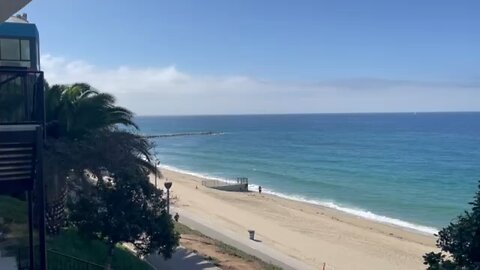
<point>357,212</point>
<point>310,233</point>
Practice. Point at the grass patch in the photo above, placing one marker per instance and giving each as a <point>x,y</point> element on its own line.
<point>13,228</point>
<point>71,243</point>
<point>224,248</point>
<point>13,209</point>
<point>233,251</point>
<point>182,229</point>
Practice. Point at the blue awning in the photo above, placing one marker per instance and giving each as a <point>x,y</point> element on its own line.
<point>26,30</point>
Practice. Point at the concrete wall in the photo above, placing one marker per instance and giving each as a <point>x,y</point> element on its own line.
<point>233,187</point>
<point>241,186</point>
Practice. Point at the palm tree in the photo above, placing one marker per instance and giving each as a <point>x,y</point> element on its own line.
<point>76,110</point>
<point>75,115</point>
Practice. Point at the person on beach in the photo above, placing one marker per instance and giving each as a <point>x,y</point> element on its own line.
<point>260,189</point>
<point>176,217</point>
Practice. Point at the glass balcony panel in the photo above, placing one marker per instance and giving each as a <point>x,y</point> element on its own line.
<point>12,100</point>
<point>18,92</point>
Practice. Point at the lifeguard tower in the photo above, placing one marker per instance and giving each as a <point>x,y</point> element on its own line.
<point>21,139</point>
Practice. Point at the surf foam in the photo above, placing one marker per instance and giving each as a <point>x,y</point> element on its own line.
<point>294,197</point>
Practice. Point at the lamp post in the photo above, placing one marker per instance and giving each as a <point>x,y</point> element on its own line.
<point>157,163</point>
<point>168,185</point>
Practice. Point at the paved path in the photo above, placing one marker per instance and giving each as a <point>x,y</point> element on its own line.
<point>181,260</point>
<point>254,248</point>
<point>8,263</point>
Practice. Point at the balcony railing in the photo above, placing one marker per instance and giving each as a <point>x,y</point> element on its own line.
<point>21,96</point>
<point>19,146</point>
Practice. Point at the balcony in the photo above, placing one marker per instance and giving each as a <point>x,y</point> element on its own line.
<point>22,226</point>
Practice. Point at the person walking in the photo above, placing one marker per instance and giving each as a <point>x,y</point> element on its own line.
<point>176,217</point>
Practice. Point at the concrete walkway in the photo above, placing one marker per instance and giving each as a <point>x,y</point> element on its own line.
<point>8,263</point>
<point>181,260</point>
<point>244,244</point>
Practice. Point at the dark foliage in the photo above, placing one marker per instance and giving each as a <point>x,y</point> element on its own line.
<point>75,115</point>
<point>125,208</point>
<point>459,242</point>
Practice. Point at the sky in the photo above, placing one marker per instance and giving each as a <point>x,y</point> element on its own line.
<point>188,57</point>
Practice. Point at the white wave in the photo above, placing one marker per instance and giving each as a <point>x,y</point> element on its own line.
<point>353,211</point>
<point>199,175</point>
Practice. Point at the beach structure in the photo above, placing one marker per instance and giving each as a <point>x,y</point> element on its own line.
<point>22,137</point>
<point>239,184</point>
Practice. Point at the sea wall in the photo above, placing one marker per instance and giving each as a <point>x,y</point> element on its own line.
<point>220,185</point>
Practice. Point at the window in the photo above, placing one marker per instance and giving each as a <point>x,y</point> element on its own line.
<point>10,49</point>
<point>25,47</point>
<point>15,52</point>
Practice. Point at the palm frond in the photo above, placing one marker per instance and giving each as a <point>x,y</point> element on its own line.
<point>79,109</point>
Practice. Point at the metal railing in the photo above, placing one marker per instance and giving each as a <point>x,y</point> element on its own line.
<point>228,182</point>
<point>56,261</point>
<point>236,185</point>
<point>60,261</point>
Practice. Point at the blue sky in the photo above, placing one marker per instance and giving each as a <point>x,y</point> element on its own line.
<point>309,53</point>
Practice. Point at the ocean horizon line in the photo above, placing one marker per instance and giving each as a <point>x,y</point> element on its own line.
<point>306,113</point>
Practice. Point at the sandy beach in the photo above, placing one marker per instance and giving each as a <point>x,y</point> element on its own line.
<point>312,234</point>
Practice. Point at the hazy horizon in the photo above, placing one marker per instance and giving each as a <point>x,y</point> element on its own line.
<point>250,57</point>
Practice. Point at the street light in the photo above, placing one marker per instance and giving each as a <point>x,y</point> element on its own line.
<point>157,163</point>
<point>168,185</point>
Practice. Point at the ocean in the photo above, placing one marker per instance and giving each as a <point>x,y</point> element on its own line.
<point>418,171</point>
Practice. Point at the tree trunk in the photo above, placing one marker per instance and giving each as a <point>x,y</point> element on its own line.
<point>56,195</point>
<point>55,212</point>
<point>108,263</point>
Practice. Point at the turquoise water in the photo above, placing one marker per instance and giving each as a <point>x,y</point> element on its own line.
<point>414,170</point>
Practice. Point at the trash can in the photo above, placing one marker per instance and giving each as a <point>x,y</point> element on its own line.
<point>252,234</point>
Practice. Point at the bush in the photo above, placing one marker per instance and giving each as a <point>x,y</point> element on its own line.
<point>459,242</point>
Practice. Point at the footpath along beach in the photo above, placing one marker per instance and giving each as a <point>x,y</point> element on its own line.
<point>309,233</point>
